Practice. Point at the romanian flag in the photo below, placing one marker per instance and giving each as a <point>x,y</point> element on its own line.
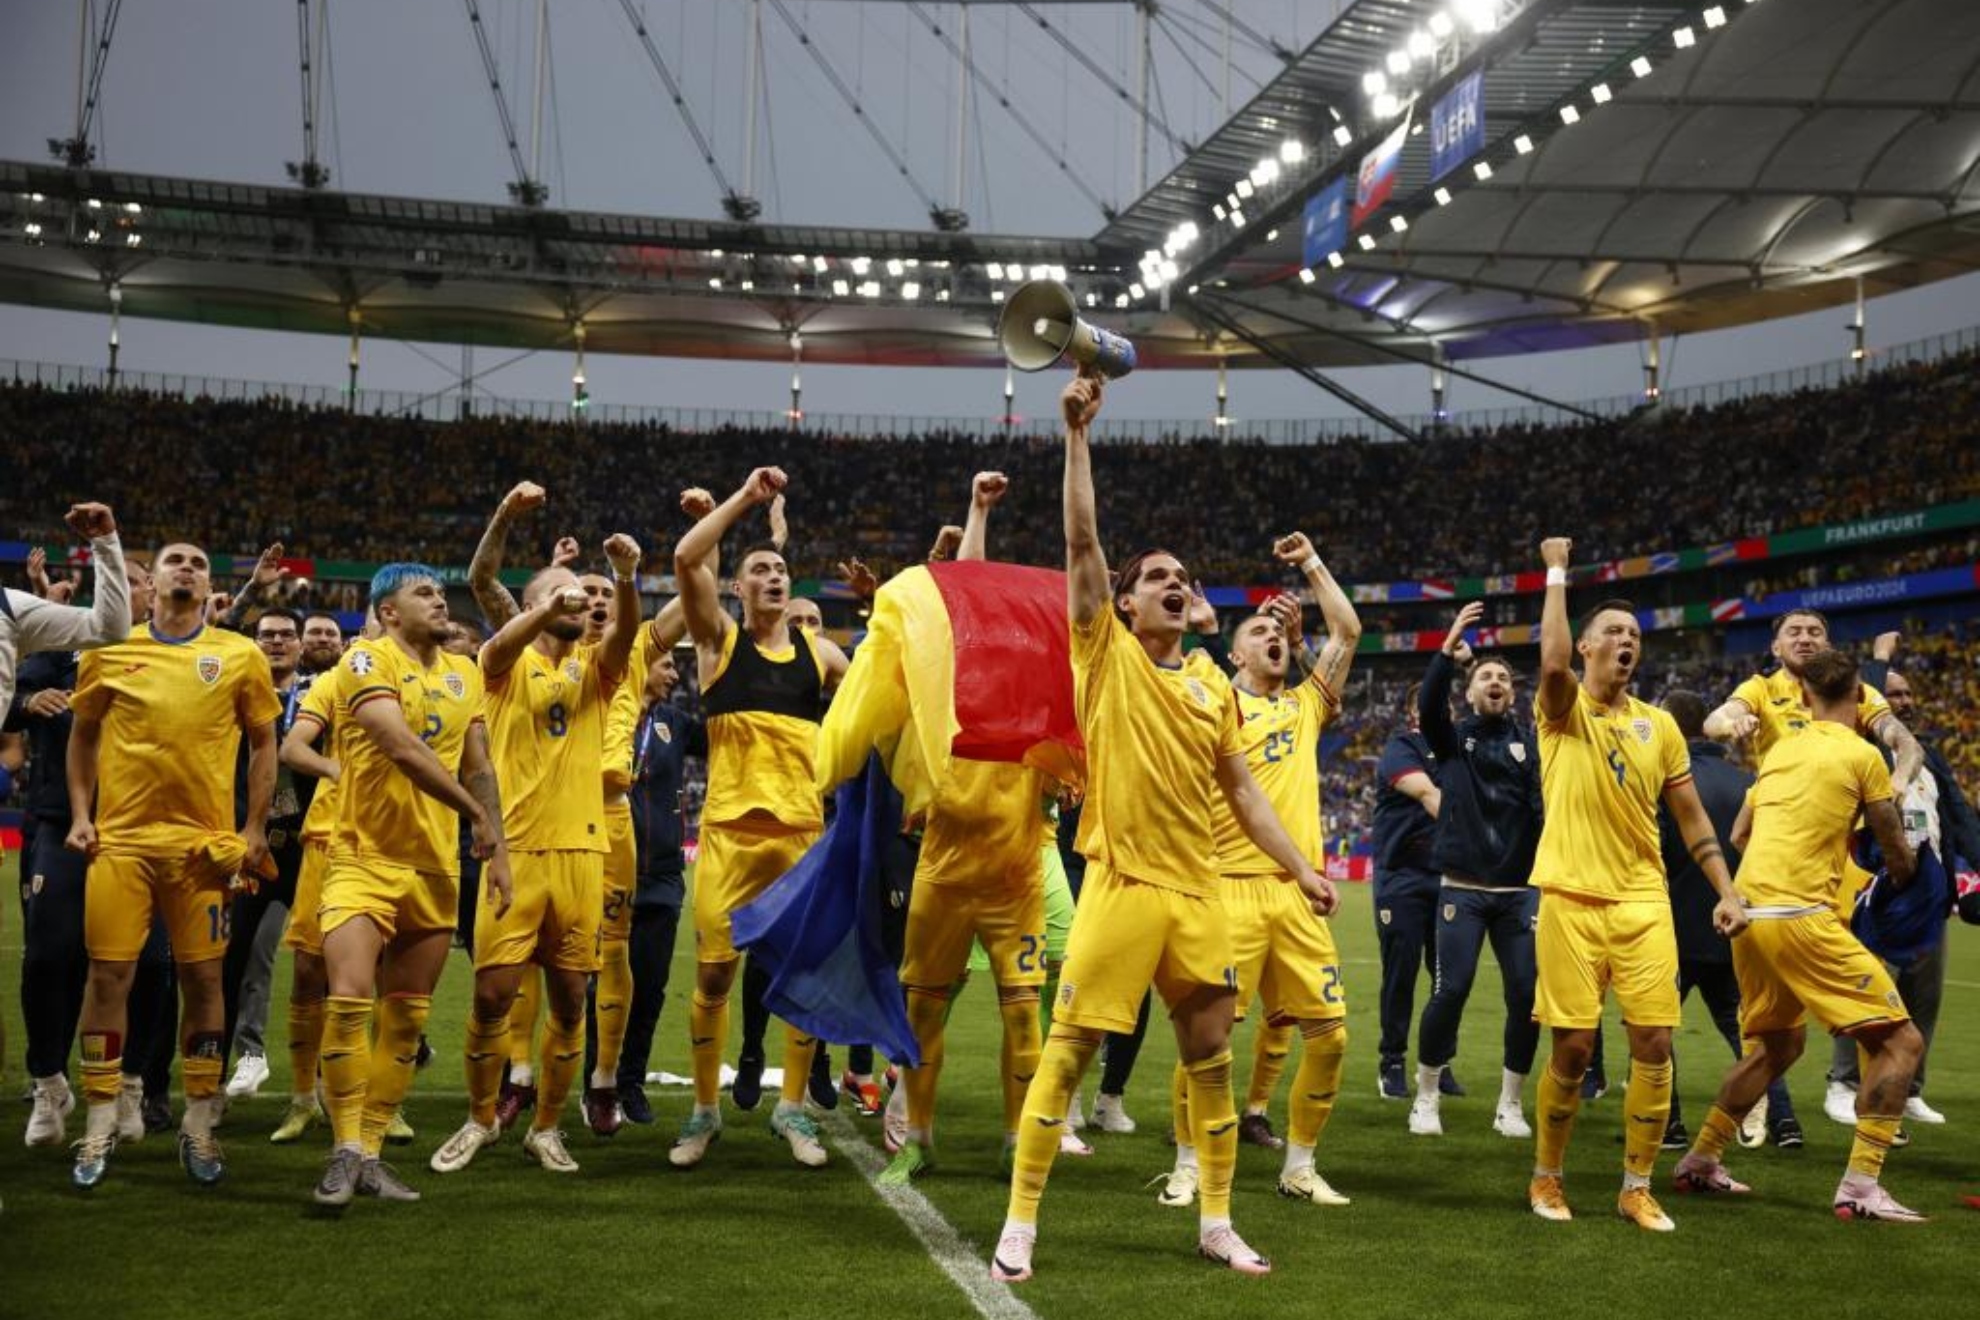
<point>969,660</point>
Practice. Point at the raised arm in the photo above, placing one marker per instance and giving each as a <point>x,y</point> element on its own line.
<point>1336,611</point>
<point>45,626</point>
<point>1908,756</point>
<point>1729,915</point>
<point>1557,682</point>
<point>1732,722</point>
<point>500,652</point>
<point>1262,826</point>
<point>984,492</point>
<point>615,650</point>
<point>268,573</point>
<point>701,596</point>
<point>1087,589</point>
<point>485,570</point>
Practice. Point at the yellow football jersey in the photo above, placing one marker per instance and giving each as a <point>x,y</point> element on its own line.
<point>622,716</point>
<point>1153,739</point>
<point>763,708</point>
<point>1776,699</point>
<point>1805,803</point>
<point>1281,740</point>
<point>172,712</point>
<point>1602,774</point>
<point>324,703</point>
<point>546,729</point>
<point>382,817</point>
<point>986,815</point>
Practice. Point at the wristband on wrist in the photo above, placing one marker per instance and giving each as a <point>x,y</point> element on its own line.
<point>1311,564</point>
<point>1557,577</point>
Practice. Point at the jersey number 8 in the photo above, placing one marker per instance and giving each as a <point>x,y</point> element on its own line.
<point>556,720</point>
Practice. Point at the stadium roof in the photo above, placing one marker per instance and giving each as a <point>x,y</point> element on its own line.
<point>1772,156</point>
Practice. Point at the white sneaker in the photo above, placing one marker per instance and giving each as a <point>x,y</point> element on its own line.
<point>1839,1103</point>
<point>1510,1121</point>
<point>1918,1111</point>
<point>249,1074</point>
<point>1012,1261</point>
<point>546,1147</point>
<point>130,1112</point>
<point>1075,1119</point>
<point>1178,1186</point>
<point>459,1150</point>
<point>48,1122</point>
<point>1306,1184</point>
<point>1753,1128</point>
<point>801,1133</point>
<point>1424,1120</point>
<point>702,1130</point>
<point>1110,1114</point>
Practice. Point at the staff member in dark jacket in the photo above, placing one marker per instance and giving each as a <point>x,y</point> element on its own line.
<point>1406,802</point>
<point>663,740</point>
<point>1704,955</point>
<point>1488,826</point>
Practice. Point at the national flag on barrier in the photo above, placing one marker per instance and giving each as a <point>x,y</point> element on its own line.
<point>1725,610</point>
<point>1724,553</point>
<point>1438,589</point>
<point>1664,562</point>
<point>1376,179</point>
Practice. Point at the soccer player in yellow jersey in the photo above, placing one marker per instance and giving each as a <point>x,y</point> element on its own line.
<point>1798,957</point>
<point>763,684</point>
<point>158,723</point>
<point>548,696</point>
<point>1162,739</point>
<point>1284,954</point>
<point>414,760</point>
<point>1606,760</point>
<point>980,876</point>
<point>1769,707</point>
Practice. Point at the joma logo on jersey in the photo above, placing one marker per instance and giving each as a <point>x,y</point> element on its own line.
<point>208,669</point>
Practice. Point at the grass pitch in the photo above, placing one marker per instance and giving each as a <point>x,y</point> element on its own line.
<point>1437,1226</point>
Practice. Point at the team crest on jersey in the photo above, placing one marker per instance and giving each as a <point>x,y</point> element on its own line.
<point>1450,912</point>
<point>1066,992</point>
<point>455,685</point>
<point>1891,998</point>
<point>1642,728</point>
<point>208,669</point>
<point>663,733</point>
<point>573,671</point>
<point>1197,692</point>
<point>34,886</point>
<point>1385,916</point>
<point>361,663</point>
<point>1518,751</point>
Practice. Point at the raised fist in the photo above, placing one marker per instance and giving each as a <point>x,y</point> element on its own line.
<point>91,520</point>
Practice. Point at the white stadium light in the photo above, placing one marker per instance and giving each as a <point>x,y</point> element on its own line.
<point>715,281</point>
<point>996,295</point>
<point>1420,45</point>
<point>134,209</point>
<point>1443,196</point>
<point>895,267</point>
<point>910,291</point>
<point>1570,115</point>
<point>1292,151</point>
<point>1715,17</point>
<point>1237,219</point>
<point>1481,16</point>
<point>1640,66</point>
<point>92,235</point>
<point>715,252</point>
<point>862,264</point>
<point>941,295</point>
<point>1386,106</point>
<point>1334,260</point>
<point>1244,189</point>
<point>1058,273</point>
<point>33,229</point>
<point>1306,275</point>
<point>1399,62</point>
<point>1092,300</point>
<point>95,205</point>
<point>1523,144</point>
<point>1343,135</point>
<point>1041,272</point>
<point>1440,25</point>
<point>1374,82</point>
<point>1272,236</point>
<point>1136,292</point>
<point>1367,242</point>
<point>748,286</point>
<point>820,264</point>
<point>840,288</point>
<point>1600,94</point>
<point>1398,223</point>
<point>1120,300</point>
<point>132,240</point>
<point>1169,271</point>
<point>995,270</point>
<point>1684,38</point>
<point>1217,209</point>
<point>1482,170</point>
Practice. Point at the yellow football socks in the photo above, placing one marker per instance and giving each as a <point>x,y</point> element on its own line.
<point>927,1013</point>
<point>1022,1045</point>
<point>523,1012</point>
<point>800,1048</point>
<point>487,1051</point>
<point>1646,1113</point>
<point>1316,1081</point>
<point>1213,1126</point>
<point>609,1006</point>
<point>305,1044</point>
<point>394,1057</point>
<point>1270,1048</point>
<point>1874,1135</point>
<point>708,1028</point>
<point>563,1055</point>
<point>1060,1066</point>
<point>346,1066</point>
<point>1717,1134</point>
<point>1558,1100</point>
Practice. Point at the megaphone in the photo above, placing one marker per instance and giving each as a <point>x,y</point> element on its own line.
<point>1041,325</point>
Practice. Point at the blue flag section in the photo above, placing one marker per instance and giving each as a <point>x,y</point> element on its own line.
<point>1457,126</point>
<point>1326,223</point>
<point>817,929</point>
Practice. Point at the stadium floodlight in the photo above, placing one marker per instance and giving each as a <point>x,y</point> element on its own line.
<point>1420,45</point>
<point>132,208</point>
<point>1443,196</point>
<point>1640,66</point>
<point>716,253</point>
<point>995,270</point>
<point>1306,275</point>
<point>33,229</point>
<point>1399,62</point>
<point>1041,272</point>
<point>1386,106</point>
<point>896,267</point>
<point>870,289</point>
<point>36,198</point>
<point>862,264</point>
<point>1169,271</point>
<point>715,281</point>
<point>941,295</point>
<point>1715,17</point>
<point>1441,25</point>
<point>1398,223</point>
<point>1335,260</point>
<point>1600,94</point>
<point>1342,135</point>
<point>910,291</point>
<point>1292,151</point>
<point>1136,292</point>
<point>840,288</point>
<point>1237,219</point>
<point>1058,273</point>
<point>93,235</point>
<point>996,295</point>
<point>798,259</point>
<point>1120,300</point>
<point>1570,115</point>
<point>1367,242</point>
<point>1481,16</point>
<point>1092,299</point>
<point>748,286</point>
<point>1217,209</point>
<point>1523,145</point>
<point>1684,38</point>
<point>1374,82</point>
<point>820,264</point>
<point>1244,189</point>
<point>95,205</point>
<point>1482,170</point>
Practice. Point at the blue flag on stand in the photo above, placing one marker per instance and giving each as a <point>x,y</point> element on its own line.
<point>818,928</point>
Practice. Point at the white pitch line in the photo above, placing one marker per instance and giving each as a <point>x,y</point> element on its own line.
<point>966,1267</point>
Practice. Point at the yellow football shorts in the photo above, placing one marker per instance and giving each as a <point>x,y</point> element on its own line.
<point>1129,934</point>
<point>621,872</point>
<point>737,862</point>
<point>1790,968</point>
<point>305,932</point>
<point>399,900</point>
<point>1585,947</point>
<point>1283,953</point>
<point>122,892</point>
<point>556,916</point>
<point>1008,917</point>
